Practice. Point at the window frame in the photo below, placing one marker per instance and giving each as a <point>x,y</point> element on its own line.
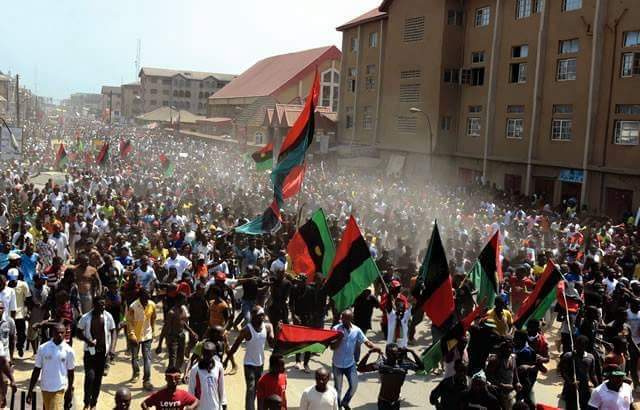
<point>522,73</point>
<point>561,128</point>
<point>567,72</point>
<point>373,39</point>
<point>625,36</point>
<point>561,44</point>
<point>475,54</point>
<point>471,131</point>
<point>617,126</point>
<point>524,9</point>
<point>574,4</point>
<point>513,131</point>
<point>482,19</point>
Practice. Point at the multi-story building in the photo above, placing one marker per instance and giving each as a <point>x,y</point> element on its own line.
<point>111,103</point>
<point>281,79</point>
<point>132,105</point>
<point>85,104</point>
<point>4,93</point>
<point>181,89</point>
<point>535,96</point>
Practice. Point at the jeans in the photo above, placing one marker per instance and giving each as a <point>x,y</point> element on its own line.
<point>251,376</point>
<point>176,345</point>
<point>21,333</point>
<point>352,379</point>
<point>146,359</point>
<point>246,306</point>
<point>93,370</point>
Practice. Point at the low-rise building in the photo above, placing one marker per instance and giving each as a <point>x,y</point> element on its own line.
<point>111,103</point>
<point>131,101</point>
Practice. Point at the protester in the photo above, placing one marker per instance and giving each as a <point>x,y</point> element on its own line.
<point>320,396</point>
<point>206,380</point>
<point>171,397</point>
<point>273,382</point>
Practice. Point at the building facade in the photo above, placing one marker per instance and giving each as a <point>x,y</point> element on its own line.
<point>131,101</point>
<point>535,96</point>
<point>111,103</point>
<point>4,93</point>
<point>281,79</point>
<point>181,89</point>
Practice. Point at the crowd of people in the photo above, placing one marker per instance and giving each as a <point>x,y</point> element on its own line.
<point>111,251</point>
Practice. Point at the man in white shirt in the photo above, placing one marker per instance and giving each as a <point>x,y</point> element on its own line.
<point>23,293</point>
<point>613,393</point>
<point>320,396</point>
<point>98,331</point>
<point>8,298</point>
<point>56,362</point>
<point>206,380</point>
<point>177,261</point>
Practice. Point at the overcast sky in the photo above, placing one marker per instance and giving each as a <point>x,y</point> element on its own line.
<point>79,45</point>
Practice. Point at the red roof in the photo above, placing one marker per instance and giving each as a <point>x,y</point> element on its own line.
<point>268,76</point>
<point>367,17</point>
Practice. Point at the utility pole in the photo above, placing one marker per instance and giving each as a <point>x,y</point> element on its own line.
<point>18,100</point>
<point>110,105</point>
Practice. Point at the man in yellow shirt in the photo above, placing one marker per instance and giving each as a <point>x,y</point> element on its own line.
<point>502,318</point>
<point>141,318</point>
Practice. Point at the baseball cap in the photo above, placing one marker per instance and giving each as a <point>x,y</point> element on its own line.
<point>12,274</point>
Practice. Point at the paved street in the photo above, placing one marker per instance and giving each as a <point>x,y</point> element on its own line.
<point>415,392</point>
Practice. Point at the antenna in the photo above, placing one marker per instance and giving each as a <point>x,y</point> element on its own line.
<point>138,61</point>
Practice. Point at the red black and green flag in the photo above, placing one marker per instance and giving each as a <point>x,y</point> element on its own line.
<point>263,158</point>
<point>353,269</point>
<point>486,272</point>
<point>311,248</point>
<point>125,148</point>
<point>269,222</point>
<point>542,297</point>
<point>294,147</point>
<point>168,166</point>
<point>433,290</point>
<point>61,157</point>
<point>103,154</point>
<point>294,339</point>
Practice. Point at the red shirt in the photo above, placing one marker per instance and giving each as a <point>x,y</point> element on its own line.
<point>519,289</point>
<point>163,400</point>
<point>270,384</point>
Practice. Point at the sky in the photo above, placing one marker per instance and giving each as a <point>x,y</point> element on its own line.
<point>65,46</point>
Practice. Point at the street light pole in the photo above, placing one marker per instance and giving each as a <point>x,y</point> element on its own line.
<point>429,135</point>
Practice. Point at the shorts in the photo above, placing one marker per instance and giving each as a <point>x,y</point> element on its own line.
<point>53,400</point>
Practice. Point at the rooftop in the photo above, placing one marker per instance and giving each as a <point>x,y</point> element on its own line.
<point>165,114</point>
<point>371,15</point>
<point>188,74</point>
<point>106,89</point>
<point>268,76</point>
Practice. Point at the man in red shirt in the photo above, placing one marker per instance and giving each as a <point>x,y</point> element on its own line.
<point>171,398</point>
<point>274,382</point>
<point>521,285</point>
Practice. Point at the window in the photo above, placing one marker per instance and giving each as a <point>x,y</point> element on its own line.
<point>165,103</point>
<point>259,136</point>
<point>570,5</point>
<point>406,125</point>
<point>353,73</point>
<point>473,126</point>
<point>181,93</point>
<point>474,76</point>
<point>483,16</point>
<point>627,133</point>
<point>561,130</point>
<point>187,94</point>
<point>518,73</point>
<point>413,29</point>
<point>477,57</point>
<point>154,91</point>
<point>153,102</point>
<point>154,80</point>
<point>562,109</point>
<point>373,39</point>
<point>515,109</point>
<point>628,109</point>
<point>348,117</point>
<point>627,65</point>
<point>520,51</point>
<point>354,44</point>
<point>367,117</point>
<point>165,92</point>
<point>539,6</point>
<point>199,105</point>
<point>569,46</point>
<point>515,127</point>
<point>523,8</point>
<point>631,39</point>
<point>371,69</point>
<point>201,84</point>
<point>567,69</point>
<point>330,89</point>
<point>166,81</point>
<point>445,123</point>
<point>409,93</point>
<point>454,17</point>
<point>410,74</point>
<point>452,75</point>
<point>475,108</point>
<point>370,83</point>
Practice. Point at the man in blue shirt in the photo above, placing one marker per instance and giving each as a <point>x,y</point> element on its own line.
<point>28,264</point>
<point>344,362</point>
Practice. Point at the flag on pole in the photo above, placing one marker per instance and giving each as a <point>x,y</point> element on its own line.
<point>125,148</point>
<point>61,157</point>
<point>102,156</point>
<point>294,339</point>
<point>542,297</point>
<point>311,248</point>
<point>353,269</point>
<point>263,158</point>
<point>433,290</point>
<point>269,222</point>
<point>168,166</point>
<point>484,274</point>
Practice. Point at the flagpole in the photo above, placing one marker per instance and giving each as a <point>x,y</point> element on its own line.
<point>573,359</point>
